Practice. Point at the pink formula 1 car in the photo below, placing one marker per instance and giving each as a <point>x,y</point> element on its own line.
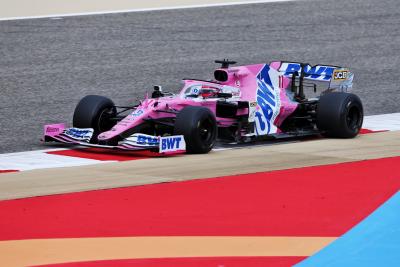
<point>242,104</point>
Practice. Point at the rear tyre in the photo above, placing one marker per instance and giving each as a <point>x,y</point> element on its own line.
<point>199,127</point>
<point>339,115</point>
<point>95,112</point>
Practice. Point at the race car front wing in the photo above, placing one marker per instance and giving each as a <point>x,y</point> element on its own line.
<point>138,141</point>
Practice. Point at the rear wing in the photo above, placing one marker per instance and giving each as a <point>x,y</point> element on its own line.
<point>339,78</point>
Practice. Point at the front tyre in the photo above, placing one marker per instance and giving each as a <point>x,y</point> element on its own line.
<point>94,111</point>
<point>199,127</point>
<point>340,115</point>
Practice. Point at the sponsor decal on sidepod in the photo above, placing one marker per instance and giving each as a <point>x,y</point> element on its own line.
<point>268,100</point>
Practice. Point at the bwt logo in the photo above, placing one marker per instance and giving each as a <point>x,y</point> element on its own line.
<point>315,72</point>
<point>147,140</point>
<point>170,143</point>
<point>137,113</point>
<point>78,133</point>
<point>267,100</point>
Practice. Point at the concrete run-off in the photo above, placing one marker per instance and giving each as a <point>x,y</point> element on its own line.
<point>187,167</point>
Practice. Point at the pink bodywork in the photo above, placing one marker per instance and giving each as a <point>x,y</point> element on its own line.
<point>243,77</point>
<point>53,130</point>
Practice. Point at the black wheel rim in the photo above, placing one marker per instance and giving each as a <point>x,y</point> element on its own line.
<point>104,122</point>
<point>353,118</point>
<point>206,131</point>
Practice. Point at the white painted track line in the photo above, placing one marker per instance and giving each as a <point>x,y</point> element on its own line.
<point>388,122</point>
<point>39,159</point>
<point>63,8</point>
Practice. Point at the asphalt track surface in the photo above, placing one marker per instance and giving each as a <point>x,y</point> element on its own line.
<point>47,65</point>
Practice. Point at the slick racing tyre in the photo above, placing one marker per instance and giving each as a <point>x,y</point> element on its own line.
<point>95,112</point>
<point>199,127</point>
<point>339,115</point>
